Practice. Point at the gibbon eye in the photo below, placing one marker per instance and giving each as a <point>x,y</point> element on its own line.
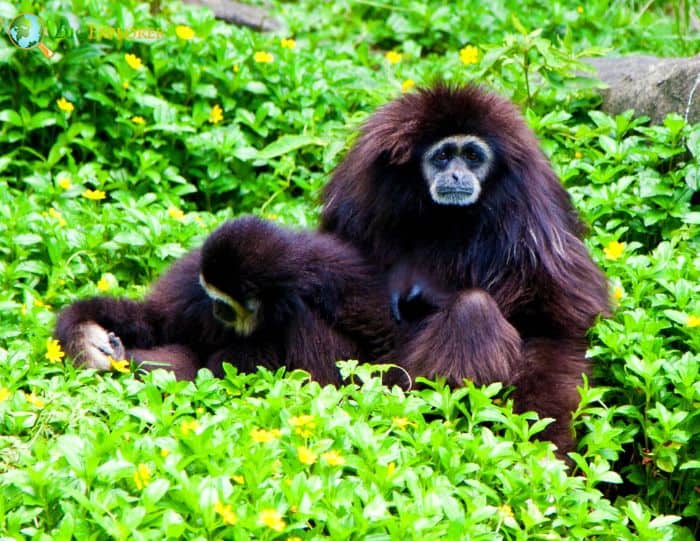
<point>472,155</point>
<point>441,156</point>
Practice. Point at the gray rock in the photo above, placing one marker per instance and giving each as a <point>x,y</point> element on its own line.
<point>254,17</point>
<point>650,85</point>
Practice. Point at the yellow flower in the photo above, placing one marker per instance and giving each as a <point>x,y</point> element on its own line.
<point>142,476</point>
<point>407,85</point>
<point>64,182</point>
<point>578,155</point>
<point>164,452</point>
<point>506,510</point>
<point>288,43</point>
<point>120,366</point>
<point>184,32</point>
<point>227,514</point>
<point>106,282</point>
<point>94,195</point>
<point>260,435</point>
<point>41,304</point>
<point>138,120</point>
<point>401,422</point>
<point>57,216</point>
<point>176,213</point>
<point>294,538</point>
<point>693,321</point>
<point>469,55</point>
<point>4,394</point>
<point>306,455</point>
<point>618,293</point>
<point>262,57</point>
<point>189,425</point>
<point>54,353</point>
<point>390,469</point>
<point>272,519</point>
<point>34,400</point>
<point>302,420</point>
<point>579,9</point>
<point>133,61</point>
<point>64,105</point>
<point>125,85</point>
<point>236,68</point>
<point>333,458</point>
<point>614,250</point>
<point>216,114</point>
<point>393,57</point>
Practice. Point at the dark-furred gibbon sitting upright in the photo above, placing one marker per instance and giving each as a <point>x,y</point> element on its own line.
<point>447,191</point>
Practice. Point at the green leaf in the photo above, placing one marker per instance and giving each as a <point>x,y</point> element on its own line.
<point>287,144</point>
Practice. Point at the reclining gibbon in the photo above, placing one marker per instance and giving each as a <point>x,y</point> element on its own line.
<point>445,214</point>
<point>253,295</point>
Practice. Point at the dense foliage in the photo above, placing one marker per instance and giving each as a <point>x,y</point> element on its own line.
<point>152,123</point>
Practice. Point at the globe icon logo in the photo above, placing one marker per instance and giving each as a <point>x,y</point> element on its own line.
<point>26,31</point>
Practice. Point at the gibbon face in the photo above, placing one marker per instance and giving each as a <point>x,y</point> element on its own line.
<point>242,316</point>
<point>455,169</point>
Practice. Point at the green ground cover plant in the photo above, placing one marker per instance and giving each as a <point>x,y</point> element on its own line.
<point>154,122</point>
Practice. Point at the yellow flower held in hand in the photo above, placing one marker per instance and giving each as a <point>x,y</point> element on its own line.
<point>469,55</point>
<point>64,105</point>
<point>119,366</point>
<point>216,114</point>
<point>226,513</point>
<point>94,195</point>
<point>54,353</point>
<point>614,250</point>
<point>262,57</point>
<point>133,61</point>
<point>393,57</point>
<point>272,519</point>
<point>184,32</point>
<point>142,476</point>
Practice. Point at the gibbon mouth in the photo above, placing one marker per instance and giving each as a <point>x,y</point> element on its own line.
<point>454,191</point>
